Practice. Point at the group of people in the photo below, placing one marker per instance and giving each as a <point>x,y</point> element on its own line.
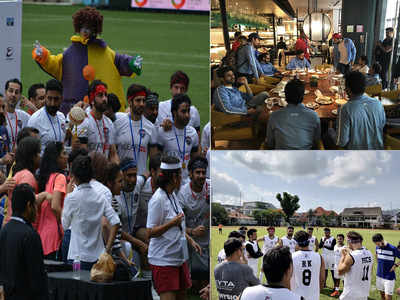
<point>134,184</point>
<point>294,269</point>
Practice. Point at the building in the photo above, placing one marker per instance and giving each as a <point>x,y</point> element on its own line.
<point>249,207</point>
<point>362,217</point>
<point>316,217</point>
<point>230,208</point>
<point>237,218</point>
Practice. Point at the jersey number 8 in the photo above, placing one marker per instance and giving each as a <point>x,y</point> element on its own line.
<point>307,277</point>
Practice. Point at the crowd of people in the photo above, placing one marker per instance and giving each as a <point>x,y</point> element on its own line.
<point>133,184</point>
<point>294,268</point>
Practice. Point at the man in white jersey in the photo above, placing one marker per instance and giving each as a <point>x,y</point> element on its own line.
<point>179,84</point>
<point>194,198</point>
<point>97,127</point>
<point>135,136</point>
<point>308,269</point>
<point>16,119</point>
<point>234,234</point>
<point>278,269</point>
<point>313,243</point>
<point>288,240</point>
<point>182,140</point>
<point>337,253</point>
<point>253,252</point>
<point>270,241</point>
<point>356,265</point>
<point>48,120</point>
<point>327,244</point>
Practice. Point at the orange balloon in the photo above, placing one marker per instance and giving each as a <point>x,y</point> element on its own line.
<point>89,73</point>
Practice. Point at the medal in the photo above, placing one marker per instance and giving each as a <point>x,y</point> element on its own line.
<point>183,165</point>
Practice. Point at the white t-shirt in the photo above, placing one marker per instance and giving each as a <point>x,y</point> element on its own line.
<point>169,249</point>
<point>206,137</point>
<point>14,123</point>
<point>291,243</point>
<point>337,251</point>
<point>144,136</point>
<point>312,240</point>
<point>261,292</point>
<point>164,112</point>
<point>51,129</point>
<point>328,243</point>
<point>100,134</point>
<point>306,271</point>
<point>129,204</point>
<point>221,256</point>
<point>269,243</point>
<point>144,197</point>
<point>357,281</point>
<point>169,140</point>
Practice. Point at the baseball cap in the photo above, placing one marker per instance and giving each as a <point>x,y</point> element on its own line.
<point>254,35</point>
<point>337,36</point>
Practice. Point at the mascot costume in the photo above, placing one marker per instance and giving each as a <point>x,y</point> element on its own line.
<point>86,59</point>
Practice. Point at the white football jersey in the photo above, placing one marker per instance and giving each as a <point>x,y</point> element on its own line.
<point>291,243</point>
<point>312,240</point>
<point>357,282</point>
<point>262,292</point>
<point>306,271</point>
<point>327,243</point>
<point>337,252</point>
<point>14,124</point>
<point>252,262</point>
<point>269,243</point>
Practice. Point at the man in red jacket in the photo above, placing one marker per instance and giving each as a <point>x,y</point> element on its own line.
<point>303,44</point>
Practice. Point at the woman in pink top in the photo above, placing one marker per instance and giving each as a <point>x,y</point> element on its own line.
<point>53,181</point>
<point>27,160</point>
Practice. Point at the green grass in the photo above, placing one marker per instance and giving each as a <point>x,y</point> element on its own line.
<point>391,236</point>
<point>166,41</point>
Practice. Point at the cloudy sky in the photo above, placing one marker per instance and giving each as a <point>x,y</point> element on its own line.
<point>331,179</point>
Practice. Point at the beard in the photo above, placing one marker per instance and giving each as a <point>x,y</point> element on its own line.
<point>100,107</point>
<point>52,110</point>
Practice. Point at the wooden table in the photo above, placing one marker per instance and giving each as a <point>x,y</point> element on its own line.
<point>324,111</point>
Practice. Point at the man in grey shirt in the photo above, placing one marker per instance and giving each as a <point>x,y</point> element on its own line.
<point>231,276</point>
<point>247,64</point>
<point>294,127</point>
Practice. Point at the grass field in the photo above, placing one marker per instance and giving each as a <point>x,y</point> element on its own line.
<point>167,42</point>
<point>393,237</point>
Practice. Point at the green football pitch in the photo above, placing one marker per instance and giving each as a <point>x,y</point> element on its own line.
<point>167,42</point>
<point>391,236</point>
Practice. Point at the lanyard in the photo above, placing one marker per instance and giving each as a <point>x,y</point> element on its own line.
<point>195,197</point>
<point>18,219</point>
<point>51,123</point>
<point>184,145</point>
<point>174,207</point>
<point>98,129</point>
<point>133,140</point>
<point>129,214</point>
<point>13,137</point>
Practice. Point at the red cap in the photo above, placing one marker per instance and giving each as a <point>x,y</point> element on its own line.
<point>337,36</point>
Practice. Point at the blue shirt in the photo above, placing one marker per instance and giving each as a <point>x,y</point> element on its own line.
<point>231,100</point>
<point>247,62</point>
<point>351,52</point>
<point>372,79</point>
<point>360,124</point>
<point>268,69</point>
<point>294,127</point>
<point>296,63</point>
<point>386,257</point>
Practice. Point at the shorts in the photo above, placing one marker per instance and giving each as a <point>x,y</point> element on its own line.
<point>336,273</point>
<point>171,278</point>
<point>329,261</point>
<point>385,285</point>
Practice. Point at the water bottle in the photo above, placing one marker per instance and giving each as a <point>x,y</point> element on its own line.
<point>38,49</point>
<point>76,268</point>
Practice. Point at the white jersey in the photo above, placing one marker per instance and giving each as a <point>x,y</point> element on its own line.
<point>311,245</point>
<point>51,129</point>
<point>252,262</point>
<point>337,252</point>
<point>164,112</point>
<point>269,243</point>
<point>291,243</point>
<point>144,197</point>
<point>179,143</point>
<point>133,139</point>
<point>221,256</point>
<point>305,277</point>
<point>357,281</point>
<point>206,137</point>
<point>261,292</point>
<point>129,204</point>
<point>100,134</point>
<point>14,123</point>
<point>328,243</point>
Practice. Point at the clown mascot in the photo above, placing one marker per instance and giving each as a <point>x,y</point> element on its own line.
<point>87,58</point>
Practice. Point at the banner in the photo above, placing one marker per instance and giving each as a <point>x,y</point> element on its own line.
<point>194,5</point>
<point>10,37</point>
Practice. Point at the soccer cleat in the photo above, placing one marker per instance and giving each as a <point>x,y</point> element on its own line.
<point>335,294</point>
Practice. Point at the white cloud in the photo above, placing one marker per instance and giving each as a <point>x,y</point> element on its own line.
<point>285,164</point>
<point>224,184</point>
<point>354,169</point>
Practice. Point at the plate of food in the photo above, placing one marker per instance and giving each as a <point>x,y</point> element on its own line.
<point>341,101</point>
<point>312,105</point>
<point>306,92</point>
<point>334,112</point>
<point>334,89</point>
<point>324,100</point>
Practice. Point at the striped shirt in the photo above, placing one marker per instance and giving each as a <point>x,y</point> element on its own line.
<point>117,241</point>
<point>386,257</point>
